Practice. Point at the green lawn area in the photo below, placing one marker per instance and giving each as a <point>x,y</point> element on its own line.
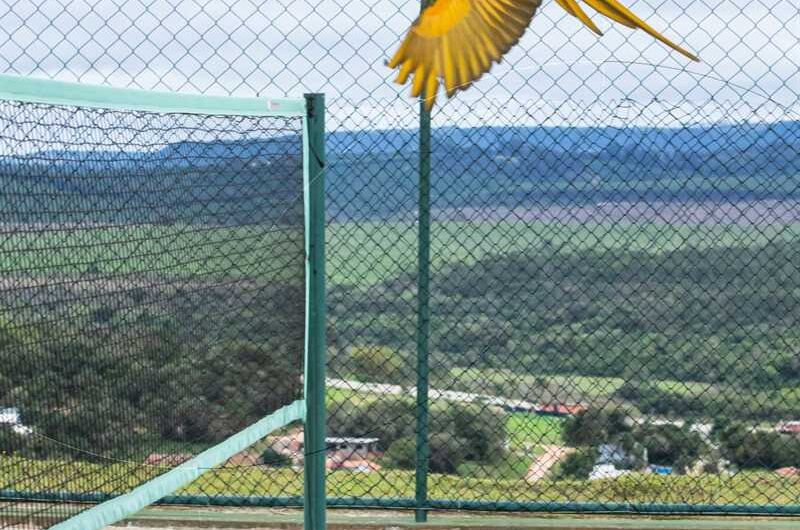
<point>535,386</point>
<point>529,430</point>
<point>571,387</point>
<point>686,387</point>
<point>334,396</point>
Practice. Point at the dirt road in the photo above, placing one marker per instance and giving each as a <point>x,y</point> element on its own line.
<point>552,455</point>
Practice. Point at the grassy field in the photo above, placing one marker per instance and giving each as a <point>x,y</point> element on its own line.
<point>575,388</point>
<point>526,431</point>
<point>359,254</point>
<point>179,250</point>
<point>532,386</point>
<point>334,396</point>
<point>742,488</point>
<point>376,252</point>
<point>366,254</point>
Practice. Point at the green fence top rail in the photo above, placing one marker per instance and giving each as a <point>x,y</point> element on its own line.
<point>32,90</point>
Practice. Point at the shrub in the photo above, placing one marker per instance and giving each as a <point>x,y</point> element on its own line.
<point>401,454</point>
<point>389,419</point>
<point>446,453</point>
<point>271,457</point>
<point>577,465</point>
<point>749,448</point>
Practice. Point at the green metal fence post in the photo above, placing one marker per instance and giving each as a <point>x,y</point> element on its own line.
<point>314,513</point>
<point>423,310</point>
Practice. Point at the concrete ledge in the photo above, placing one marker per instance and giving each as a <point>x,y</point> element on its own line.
<point>338,519</point>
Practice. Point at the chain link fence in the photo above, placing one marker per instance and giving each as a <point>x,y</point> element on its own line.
<point>142,317</point>
<point>615,288</point>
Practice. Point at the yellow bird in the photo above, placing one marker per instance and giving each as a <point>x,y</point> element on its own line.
<point>457,41</point>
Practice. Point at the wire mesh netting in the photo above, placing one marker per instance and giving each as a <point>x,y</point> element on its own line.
<point>613,272</point>
<point>153,298</point>
<point>622,312</point>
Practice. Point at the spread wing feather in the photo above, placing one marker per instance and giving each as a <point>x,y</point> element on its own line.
<point>455,42</point>
<point>619,13</point>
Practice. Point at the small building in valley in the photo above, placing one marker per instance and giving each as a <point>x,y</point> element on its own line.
<point>789,427</point>
<point>343,453</point>
<point>352,454</point>
<point>10,417</point>
<point>560,409</point>
<point>167,459</point>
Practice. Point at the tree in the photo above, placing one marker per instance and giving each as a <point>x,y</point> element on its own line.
<point>481,429</point>
<point>272,380</point>
<point>459,432</point>
<point>446,453</point>
<point>188,421</point>
<point>596,426</point>
<point>750,448</point>
<point>671,445</point>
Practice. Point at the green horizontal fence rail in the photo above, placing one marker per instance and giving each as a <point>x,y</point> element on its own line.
<point>440,504</point>
<point>611,277</point>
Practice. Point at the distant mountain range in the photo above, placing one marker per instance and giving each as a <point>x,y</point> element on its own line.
<point>503,140</point>
<point>167,155</point>
<point>494,167</point>
<point>373,174</point>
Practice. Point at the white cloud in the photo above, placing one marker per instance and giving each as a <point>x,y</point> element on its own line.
<point>285,47</point>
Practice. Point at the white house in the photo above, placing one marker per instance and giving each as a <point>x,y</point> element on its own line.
<point>602,471</point>
<point>10,416</point>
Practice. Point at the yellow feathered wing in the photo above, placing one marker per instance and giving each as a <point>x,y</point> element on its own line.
<point>457,41</point>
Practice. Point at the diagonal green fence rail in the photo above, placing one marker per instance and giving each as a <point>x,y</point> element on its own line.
<point>611,279</point>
